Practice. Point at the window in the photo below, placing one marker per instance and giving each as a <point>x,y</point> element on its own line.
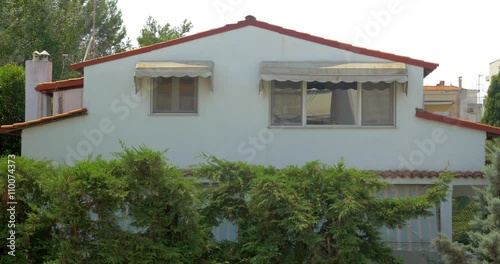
<point>377,104</point>
<point>287,103</point>
<point>331,103</point>
<point>334,104</point>
<point>174,95</point>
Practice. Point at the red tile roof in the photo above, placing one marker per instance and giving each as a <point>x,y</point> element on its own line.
<point>490,130</point>
<point>49,87</point>
<point>422,174</point>
<point>441,88</point>
<point>429,174</point>
<point>16,128</point>
<point>428,66</point>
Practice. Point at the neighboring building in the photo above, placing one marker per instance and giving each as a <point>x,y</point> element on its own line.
<point>442,99</point>
<point>475,106</point>
<point>494,69</point>
<point>453,101</point>
<point>263,94</point>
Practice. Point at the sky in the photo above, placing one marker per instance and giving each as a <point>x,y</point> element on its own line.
<point>463,37</point>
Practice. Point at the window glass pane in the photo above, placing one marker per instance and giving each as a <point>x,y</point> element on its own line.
<point>187,94</point>
<point>286,103</point>
<point>162,97</point>
<point>378,104</point>
<point>331,103</point>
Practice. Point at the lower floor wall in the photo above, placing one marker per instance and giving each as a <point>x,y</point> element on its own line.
<point>411,242</point>
<point>416,235</point>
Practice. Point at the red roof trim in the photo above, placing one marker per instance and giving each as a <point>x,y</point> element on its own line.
<point>16,128</point>
<point>428,66</point>
<point>491,130</point>
<point>49,87</point>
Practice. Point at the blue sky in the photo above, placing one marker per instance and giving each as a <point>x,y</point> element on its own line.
<point>462,36</point>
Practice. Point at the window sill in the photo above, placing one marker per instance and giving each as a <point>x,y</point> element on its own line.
<point>332,127</point>
<point>173,114</point>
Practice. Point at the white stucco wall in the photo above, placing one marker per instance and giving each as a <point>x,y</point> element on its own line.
<point>233,120</point>
<point>71,100</point>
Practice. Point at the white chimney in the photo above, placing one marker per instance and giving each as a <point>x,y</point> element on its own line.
<point>44,56</point>
<point>36,55</point>
<point>38,70</point>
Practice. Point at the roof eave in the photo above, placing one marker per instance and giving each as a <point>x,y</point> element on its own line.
<point>16,128</point>
<point>50,87</point>
<point>491,131</point>
<point>427,66</point>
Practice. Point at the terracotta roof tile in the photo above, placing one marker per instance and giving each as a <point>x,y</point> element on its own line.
<point>390,174</point>
<point>441,88</point>
<point>16,128</point>
<point>407,174</point>
<point>428,66</point>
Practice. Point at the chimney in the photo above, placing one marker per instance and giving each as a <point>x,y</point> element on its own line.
<point>460,82</point>
<point>250,17</point>
<point>441,83</point>
<point>38,70</point>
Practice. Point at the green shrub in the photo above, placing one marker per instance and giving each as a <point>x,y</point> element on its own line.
<point>139,208</point>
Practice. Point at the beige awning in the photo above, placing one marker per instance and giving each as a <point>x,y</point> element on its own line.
<point>146,70</point>
<point>325,71</point>
<point>174,69</point>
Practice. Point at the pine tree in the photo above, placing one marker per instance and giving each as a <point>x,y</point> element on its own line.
<point>153,32</point>
<point>492,107</point>
<point>485,228</point>
<point>60,27</point>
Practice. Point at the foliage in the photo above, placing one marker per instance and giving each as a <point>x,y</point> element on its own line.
<point>31,25</point>
<point>464,209</point>
<point>310,214</point>
<point>111,35</point>
<point>60,27</point>
<point>11,105</point>
<point>162,205</point>
<point>139,208</point>
<point>484,236</point>
<point>33,223</point>
<point>135,208</point>
<point>153,32</point>
<point>492,146</point>
<point>492,106</point>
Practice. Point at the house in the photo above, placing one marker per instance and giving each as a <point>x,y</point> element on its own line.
<point>442,99</point>
<point>475,106</point>
<point>263,94</point>
<point>494,68</point>
<point>453,101</point>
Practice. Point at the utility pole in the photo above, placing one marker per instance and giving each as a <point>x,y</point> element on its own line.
<point>93,31</point>
<point>481,95</point>
<point>479,81</point>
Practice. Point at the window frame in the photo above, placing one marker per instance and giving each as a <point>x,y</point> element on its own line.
<point>175,86</point>
<point>358,115</point>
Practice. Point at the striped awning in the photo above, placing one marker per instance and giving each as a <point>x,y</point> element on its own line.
<point>146,70</point>
<point>325,71</point>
